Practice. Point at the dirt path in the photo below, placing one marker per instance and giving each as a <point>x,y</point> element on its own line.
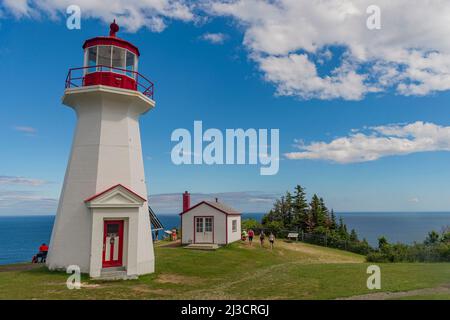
<point>444,289</point>
<point>20,267</point>
<point>321,254</point>
<point>312,256</point>
<point>217,290</point>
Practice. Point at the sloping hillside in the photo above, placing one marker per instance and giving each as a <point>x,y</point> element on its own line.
<point>238,271</point>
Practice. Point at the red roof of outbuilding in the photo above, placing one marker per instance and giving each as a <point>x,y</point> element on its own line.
<point>216,205</point>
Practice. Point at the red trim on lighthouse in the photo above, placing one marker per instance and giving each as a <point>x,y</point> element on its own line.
<point>111,41</point>
<point>113,187</point>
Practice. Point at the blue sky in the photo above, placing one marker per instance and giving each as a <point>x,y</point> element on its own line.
<point>224,85</point>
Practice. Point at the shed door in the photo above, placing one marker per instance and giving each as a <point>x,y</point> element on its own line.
<point>204,229</point>
<point>112,243</point>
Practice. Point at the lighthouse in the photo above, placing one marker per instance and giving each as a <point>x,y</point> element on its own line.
<point>102,223</point>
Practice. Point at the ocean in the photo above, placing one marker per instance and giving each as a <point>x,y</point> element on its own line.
<point>20,236</point>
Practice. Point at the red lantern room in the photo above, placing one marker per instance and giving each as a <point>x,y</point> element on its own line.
<point>110,61</point>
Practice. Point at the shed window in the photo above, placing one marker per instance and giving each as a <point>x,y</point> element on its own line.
<point>234,225</point>
<point>208,225</point>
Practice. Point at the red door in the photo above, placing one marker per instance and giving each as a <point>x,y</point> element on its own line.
<point>112,243</point>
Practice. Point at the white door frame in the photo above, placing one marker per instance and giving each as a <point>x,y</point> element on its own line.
<point>206,234</point>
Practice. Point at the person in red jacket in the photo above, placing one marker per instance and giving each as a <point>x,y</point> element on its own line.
<point>43,250</point>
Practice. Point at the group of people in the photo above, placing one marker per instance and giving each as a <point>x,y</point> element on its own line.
<point>250,234</point>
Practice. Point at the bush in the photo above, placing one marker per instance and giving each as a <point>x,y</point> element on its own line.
<point>360,247</point>
<point>276,227</point>
<point>426,252</point>
<point>247,224</point>
<point>376,256</point>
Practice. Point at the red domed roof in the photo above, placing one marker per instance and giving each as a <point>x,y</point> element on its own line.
<point>111,40</point>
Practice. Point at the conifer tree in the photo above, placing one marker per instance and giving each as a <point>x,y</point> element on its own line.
<point>316,210</point>
<point>287,218</point>
<point>353,236</point>
<point>333,223</point>
<point>300,207</point>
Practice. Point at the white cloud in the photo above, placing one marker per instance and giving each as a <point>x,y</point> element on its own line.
<point>18,8</point>
<point>131,14</point>
<point>12,180</point>
<point>294,42</point>
<point>377,142</point>
<point>26,202</point>
<point>245,201</point>
<point>295,75</point>
<point>215,38</point>
<point>27,130</point>
<point>287,38</point>
<point>414,200</point>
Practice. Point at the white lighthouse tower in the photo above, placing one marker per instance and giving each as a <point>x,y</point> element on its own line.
<point>102,224</point>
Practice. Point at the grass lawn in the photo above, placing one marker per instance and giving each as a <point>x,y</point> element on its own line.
<point>291,271</point>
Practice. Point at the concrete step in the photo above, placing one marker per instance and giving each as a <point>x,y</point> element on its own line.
<point>202,246</point>
<point>111,274</point>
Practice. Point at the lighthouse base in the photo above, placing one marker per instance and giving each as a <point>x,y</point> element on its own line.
<point>120,238</point>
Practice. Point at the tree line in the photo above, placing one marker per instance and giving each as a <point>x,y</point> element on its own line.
<point>317,224</point>
<point>292,212</point>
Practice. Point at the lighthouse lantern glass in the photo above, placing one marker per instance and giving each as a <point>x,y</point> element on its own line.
<point>92,57</point>
<point>104,56</point>
<point>118,59</point>
<point>130,64</point>
<point>111,56</point>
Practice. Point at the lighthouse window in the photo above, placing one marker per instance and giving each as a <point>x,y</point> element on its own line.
<point>130,64</point>
<point>92,58</point>
<point>118,58</point>
<point>104,56</point>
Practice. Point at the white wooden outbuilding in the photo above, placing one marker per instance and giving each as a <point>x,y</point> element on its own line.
<point>209,222</point>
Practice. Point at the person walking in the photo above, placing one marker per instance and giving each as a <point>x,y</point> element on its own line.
<point>261,238</point>
<point>271,240</point>
<point>251,234</point>
<point>244,235</point>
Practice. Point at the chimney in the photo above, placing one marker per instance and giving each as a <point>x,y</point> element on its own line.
<point>186,201</point>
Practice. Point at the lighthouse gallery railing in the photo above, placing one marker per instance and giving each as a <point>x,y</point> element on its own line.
<point>73,79</point>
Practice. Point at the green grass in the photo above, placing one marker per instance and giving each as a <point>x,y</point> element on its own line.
<point>291,271</point>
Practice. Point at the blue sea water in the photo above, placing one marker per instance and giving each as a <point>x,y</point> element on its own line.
<point>20,236</point>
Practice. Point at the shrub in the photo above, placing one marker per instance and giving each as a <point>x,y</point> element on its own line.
<point>247,224</point>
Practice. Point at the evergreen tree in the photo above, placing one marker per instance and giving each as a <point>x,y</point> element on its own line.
<point>288,210</point>
<point>325,217</point>
<point>353,236</point>
<point>333,223</point>
<point>432,238</point>
<point>342,229</point>
<point>293,211</point>
<point>300,207</point>
<point>316,210</point>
